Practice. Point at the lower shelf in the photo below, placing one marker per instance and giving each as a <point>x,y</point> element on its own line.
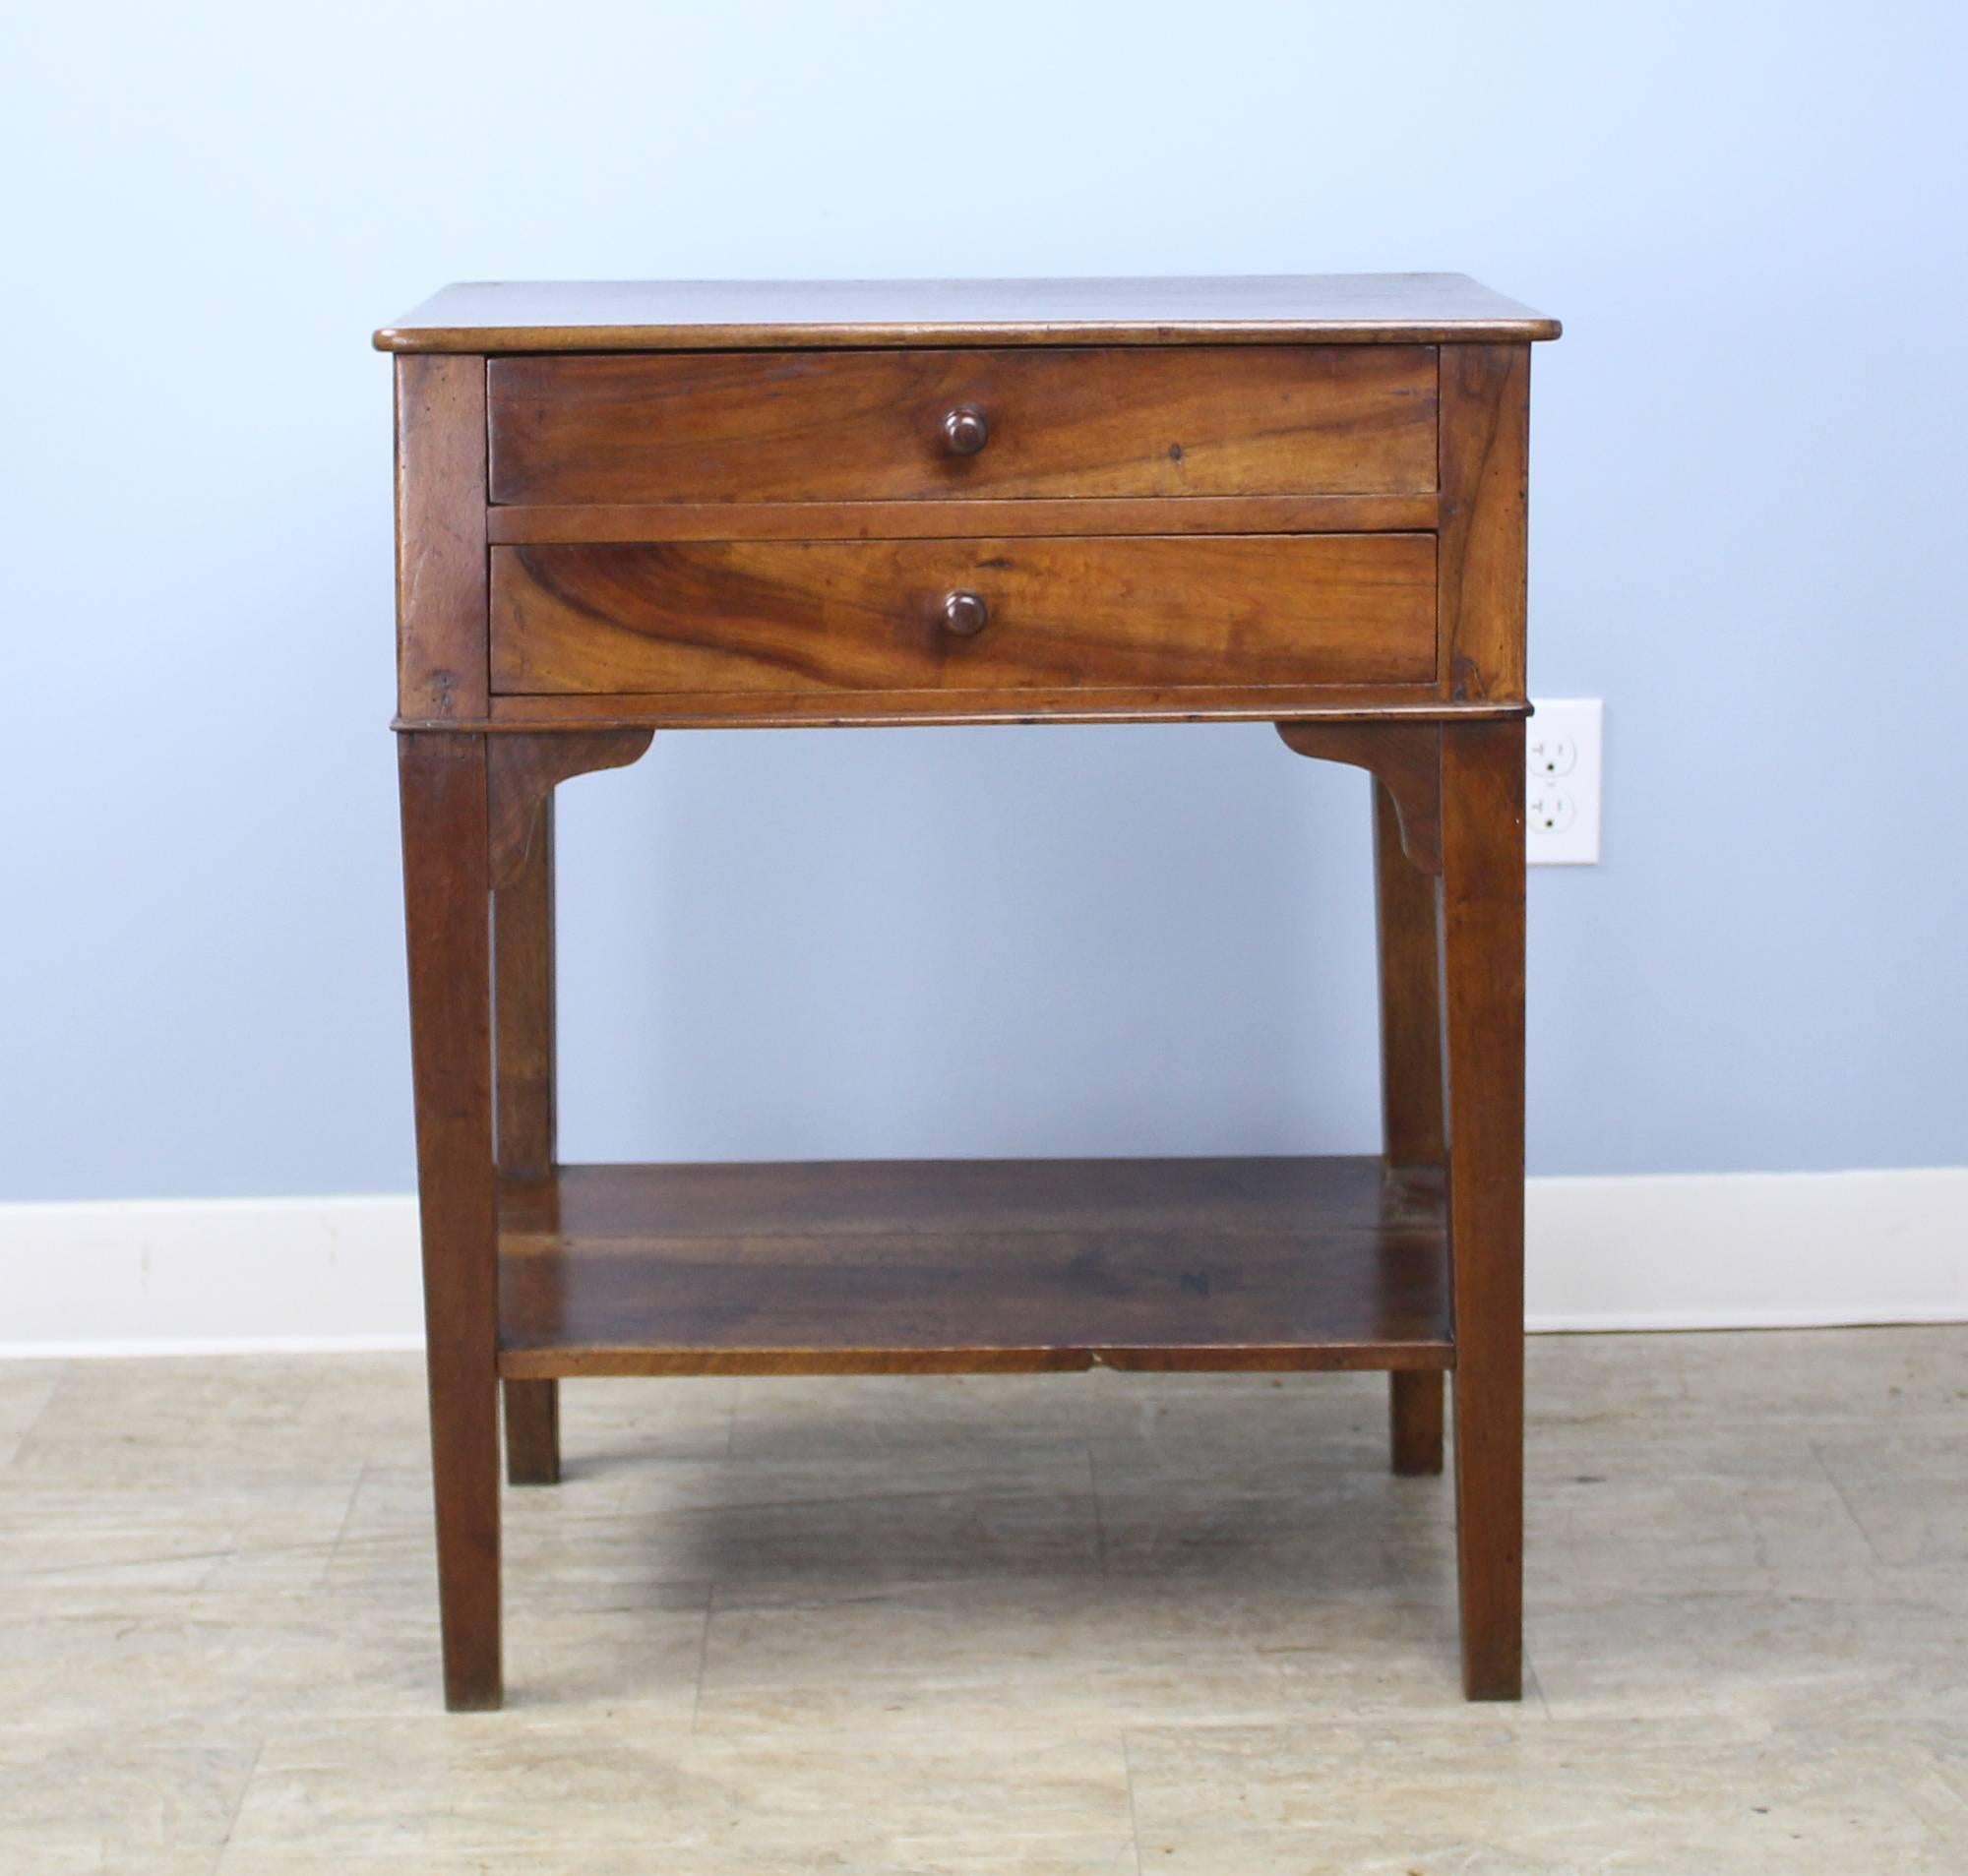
<point>943,1266</point>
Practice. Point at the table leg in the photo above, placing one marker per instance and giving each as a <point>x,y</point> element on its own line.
<point>1410,959</point>
<point>446,895</point>
<point>1415,1417</point>
<point>1482,982</point>
<point>522,966</point>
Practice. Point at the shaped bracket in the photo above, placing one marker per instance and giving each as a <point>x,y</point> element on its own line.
<point>522,767</point>
<point>1406,760</point>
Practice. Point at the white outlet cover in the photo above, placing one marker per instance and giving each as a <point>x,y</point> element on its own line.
<point>1563,753</point>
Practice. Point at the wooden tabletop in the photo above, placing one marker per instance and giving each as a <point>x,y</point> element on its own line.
<point>554,316</point>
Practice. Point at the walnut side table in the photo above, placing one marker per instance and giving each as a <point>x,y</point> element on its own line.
<point>631,508</point>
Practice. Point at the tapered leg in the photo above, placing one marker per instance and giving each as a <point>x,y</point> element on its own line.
<point>1410,1085</point>
<point>1483,1002</point>
<point>532,1432</point>
<point>523,964</point>
<point>1414,1422</point>
<point>446,895</point>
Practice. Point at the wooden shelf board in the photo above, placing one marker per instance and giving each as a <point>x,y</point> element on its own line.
<point>973,1266</point>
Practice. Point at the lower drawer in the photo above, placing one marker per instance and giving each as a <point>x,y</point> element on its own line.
<point>732,618</point>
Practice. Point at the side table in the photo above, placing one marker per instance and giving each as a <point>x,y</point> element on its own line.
<point>631,508</point>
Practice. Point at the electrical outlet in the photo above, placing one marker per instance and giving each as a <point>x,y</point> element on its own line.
<point>1551,752</point>
<point>1563,753</point>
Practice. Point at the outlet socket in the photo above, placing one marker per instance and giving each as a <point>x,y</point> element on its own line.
<point>1563,756</point>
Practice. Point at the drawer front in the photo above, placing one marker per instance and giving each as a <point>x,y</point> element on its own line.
<point>755,617</point>
<point>940,425</point>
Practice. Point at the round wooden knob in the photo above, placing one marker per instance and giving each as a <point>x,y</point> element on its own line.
<point>964,611</point>
<point>964,431</point>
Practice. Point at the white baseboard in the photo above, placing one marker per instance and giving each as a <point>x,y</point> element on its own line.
<point>210,1276</point>
<point>1748,1250</point>
<point>1676,1251</point>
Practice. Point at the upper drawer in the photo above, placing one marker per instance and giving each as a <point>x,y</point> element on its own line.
<point>916,425</point>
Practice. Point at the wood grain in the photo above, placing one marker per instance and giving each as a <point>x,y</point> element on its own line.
<point>1408,947</point>
<point>524,1037</point>
<point>738,619</point>
<point>867,426</point>
<point>533,1432</point>
<point>521,773</point>
<point>1409,950</point>
<point>524,771</point>
<point>1404,759</point>
<point>587,316</point>
<point>442,781</point>
<point>1483,989</point>
<point>956,1267</point>
<point>1485,496</point>
<point>1406,763</point>
<point>441,537</point>
<point>1231,704</point>
<point>522,967</point>
<point>1416,1423</point>
<point>1295,500</point>
<point>857,520</point>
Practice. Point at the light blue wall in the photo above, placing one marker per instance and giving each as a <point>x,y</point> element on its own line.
<point>1747,538</point>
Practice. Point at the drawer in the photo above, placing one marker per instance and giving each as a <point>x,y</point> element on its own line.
<point>946,424</point>
<point>734,618</point>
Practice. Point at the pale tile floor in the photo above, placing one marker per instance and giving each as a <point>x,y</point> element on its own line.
<point>1062,1626</point>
